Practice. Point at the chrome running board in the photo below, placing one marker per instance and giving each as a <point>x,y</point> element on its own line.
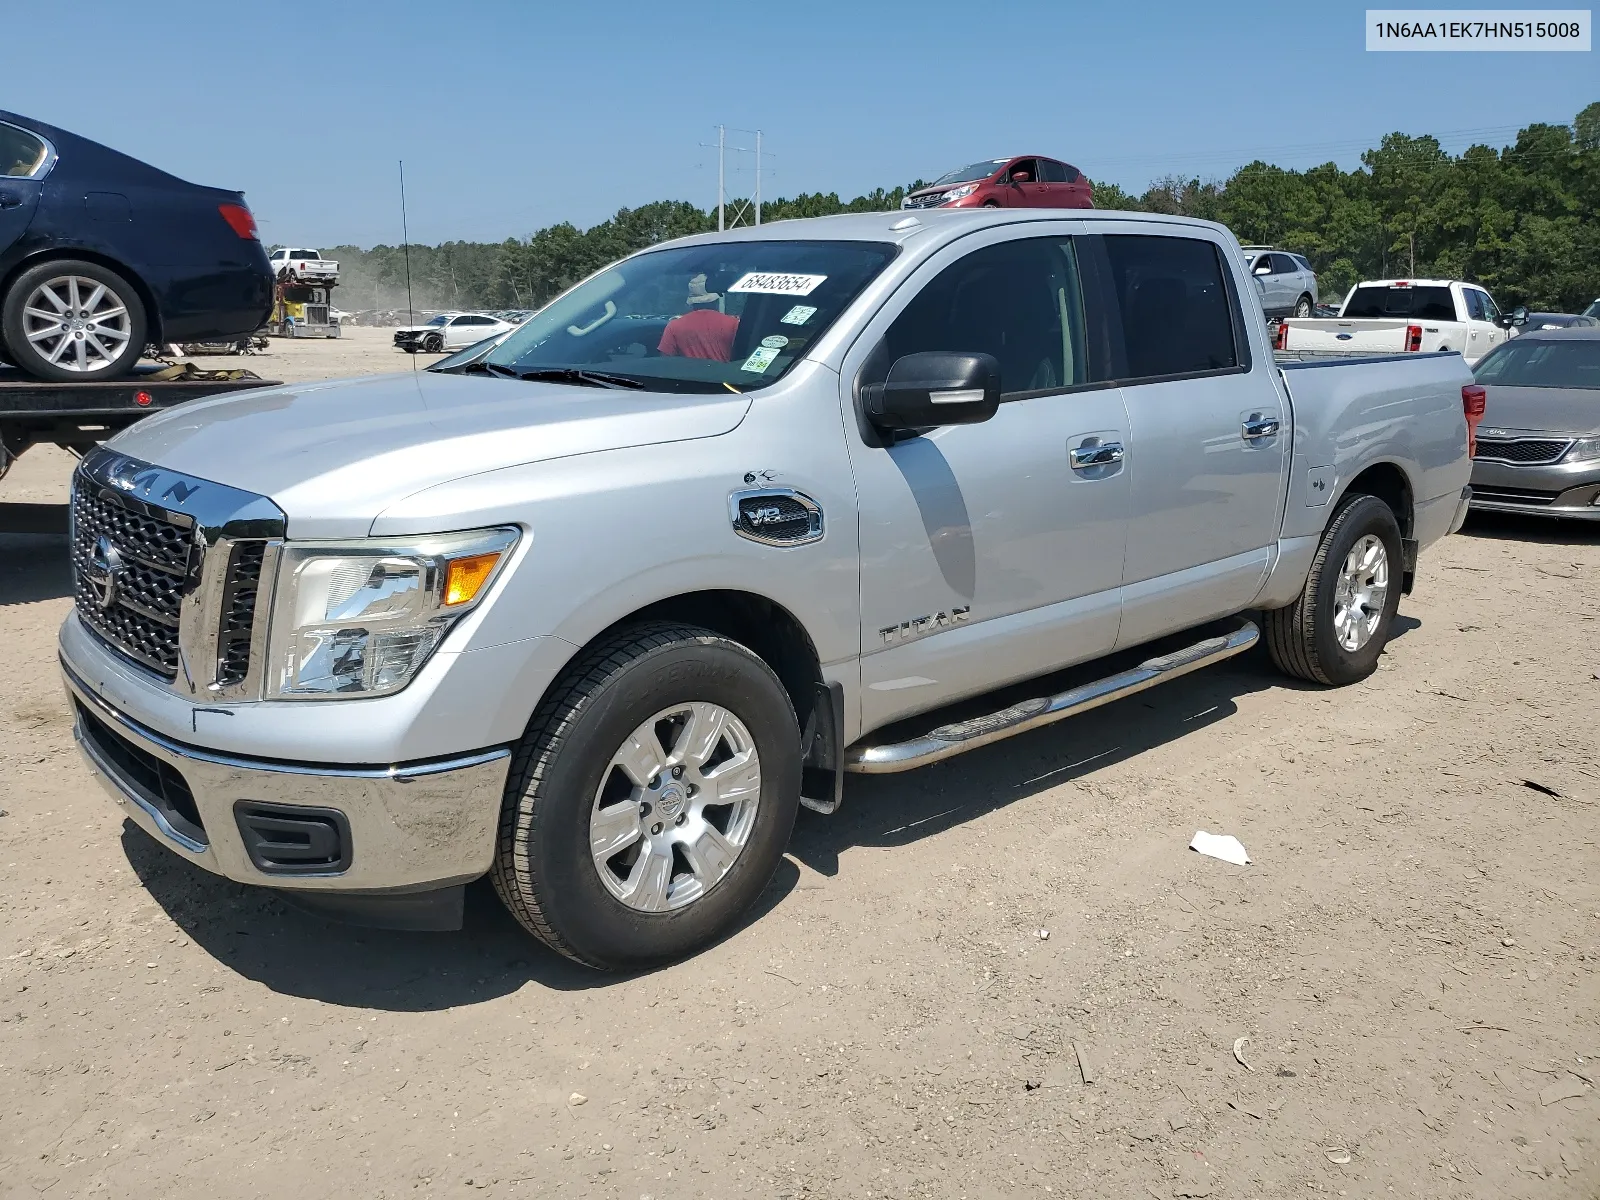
<point>961,736</point>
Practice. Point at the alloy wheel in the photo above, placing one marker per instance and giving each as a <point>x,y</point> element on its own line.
<point>1360,594</point>
<point>675,807</point>
<point>77,324</point>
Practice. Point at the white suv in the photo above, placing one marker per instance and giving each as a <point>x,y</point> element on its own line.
<point>1286,283</point>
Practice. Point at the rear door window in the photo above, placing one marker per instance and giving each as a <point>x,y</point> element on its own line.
<point>1051,171</point>
<point>23,155</point>
<point>1172,311</point>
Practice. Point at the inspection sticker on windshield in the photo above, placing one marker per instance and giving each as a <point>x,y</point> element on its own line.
<point>798,315</point>
<point>760,360</point>
<point>776,342</point>
<point>775,283</point>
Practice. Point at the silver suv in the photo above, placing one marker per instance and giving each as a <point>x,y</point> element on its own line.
<point>1285,282</point>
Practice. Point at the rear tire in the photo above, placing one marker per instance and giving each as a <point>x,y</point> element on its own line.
<point>1302,307</point>
<point>1337,628</point>
<point>602,765</point>
<point>102,327</point>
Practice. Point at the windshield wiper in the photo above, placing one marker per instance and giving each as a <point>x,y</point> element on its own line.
<point>487,368</point>
<point>600,379</point>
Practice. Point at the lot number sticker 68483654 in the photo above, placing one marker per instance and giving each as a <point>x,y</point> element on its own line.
<point>776,283</point>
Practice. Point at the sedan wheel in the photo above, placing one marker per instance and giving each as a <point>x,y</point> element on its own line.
<point>74,320</point>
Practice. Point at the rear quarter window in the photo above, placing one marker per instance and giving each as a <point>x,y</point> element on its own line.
<point>22,154</point>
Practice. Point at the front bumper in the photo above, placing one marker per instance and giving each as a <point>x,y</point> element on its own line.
<point>410,827</point>
<point>1557,490</point>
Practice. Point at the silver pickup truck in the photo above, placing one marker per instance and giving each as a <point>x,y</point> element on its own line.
<point>595,608</point>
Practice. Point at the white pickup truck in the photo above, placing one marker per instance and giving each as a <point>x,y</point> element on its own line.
<point>303,266</point>
<point>1393,316</point>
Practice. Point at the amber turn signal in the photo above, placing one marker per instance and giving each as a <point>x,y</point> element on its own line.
<point>466,577</point>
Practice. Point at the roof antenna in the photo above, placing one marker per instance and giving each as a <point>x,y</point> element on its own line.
<point>405,248</point>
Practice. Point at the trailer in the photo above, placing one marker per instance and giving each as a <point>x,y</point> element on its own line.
<point>76,416</point>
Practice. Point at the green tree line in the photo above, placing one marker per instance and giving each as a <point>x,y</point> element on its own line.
<point>1524,220</point>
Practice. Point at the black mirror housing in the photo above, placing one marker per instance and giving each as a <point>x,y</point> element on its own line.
<point>933,388</point>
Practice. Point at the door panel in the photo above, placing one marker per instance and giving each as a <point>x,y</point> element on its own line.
<point>1208,442</point>
<point>18,200</point>
<point>986,557</point>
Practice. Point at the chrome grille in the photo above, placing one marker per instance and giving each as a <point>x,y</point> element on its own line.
<point>167,570</point>
<point>1523,451</point>
<point>156,552</point>
<point>932,200</point>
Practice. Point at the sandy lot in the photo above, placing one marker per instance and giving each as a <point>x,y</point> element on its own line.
<point>1414,956</point>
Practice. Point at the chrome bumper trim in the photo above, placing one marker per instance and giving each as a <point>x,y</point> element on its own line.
<point>411,824</point>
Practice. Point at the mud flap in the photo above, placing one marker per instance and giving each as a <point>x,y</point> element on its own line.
<point>822,768</point>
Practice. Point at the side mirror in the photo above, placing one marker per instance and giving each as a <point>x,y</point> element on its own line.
<point>935,387</point>
<point>1021,177</point>
<point>1264,268</point>
<point>1517,317</point>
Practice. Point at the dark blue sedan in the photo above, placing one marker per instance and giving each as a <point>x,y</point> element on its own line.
<point>101,255</point>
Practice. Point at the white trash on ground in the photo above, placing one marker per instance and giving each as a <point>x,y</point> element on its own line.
<point>1220,845</point>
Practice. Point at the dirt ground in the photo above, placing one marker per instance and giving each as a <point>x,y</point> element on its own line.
<point>1005,975</point>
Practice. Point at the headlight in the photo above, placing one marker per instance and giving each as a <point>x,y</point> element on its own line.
<point>358,619</point>
<point>959,193</point>
<point>1583,448</point>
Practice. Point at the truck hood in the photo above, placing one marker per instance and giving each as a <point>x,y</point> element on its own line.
<point>334,454</point>
<point>1555,410</point>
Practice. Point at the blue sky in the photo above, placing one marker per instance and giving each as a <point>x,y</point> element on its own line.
<point>511,115</point>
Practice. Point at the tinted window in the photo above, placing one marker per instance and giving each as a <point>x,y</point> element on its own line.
<point>1474,308</point>
<point>1424,303</point>
<point>21,153</point>
<point>1019,301</point>
<point>1490,311</point>
<point>1073,174</point>
<point>1174,305</point>
<point>304,255</point>
<point>1051,171</point>
<point>1305,264</point>
<point>1530,362</point>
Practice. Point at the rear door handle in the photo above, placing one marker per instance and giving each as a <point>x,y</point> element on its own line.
<point>10,199</point>
<point>1100,454</point>
<point>1257,428</point>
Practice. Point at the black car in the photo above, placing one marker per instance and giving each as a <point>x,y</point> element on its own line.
<point>101,255</point>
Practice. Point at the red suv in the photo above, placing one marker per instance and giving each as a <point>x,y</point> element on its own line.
<point>1026,182</point>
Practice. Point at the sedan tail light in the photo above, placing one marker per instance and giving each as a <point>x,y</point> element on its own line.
<point>239,220</point>
<point>1474,401</point>
<point>1413,337</point>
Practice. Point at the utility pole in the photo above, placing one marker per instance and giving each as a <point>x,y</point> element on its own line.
<point>758,177</point>
<point>742,207</point>
<point>719,177</point>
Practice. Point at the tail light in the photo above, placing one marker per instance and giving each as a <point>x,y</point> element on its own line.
<point>1280,339</point>
<point>239,220</point>
<point>1413,337</point>
<point>1474,400</point>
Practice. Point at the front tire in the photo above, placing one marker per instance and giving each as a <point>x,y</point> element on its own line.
<point>1302,307</point>
<point>1337,628</point>
<point>433,343</point>
<point>651,798</point>
<point>69,320</point>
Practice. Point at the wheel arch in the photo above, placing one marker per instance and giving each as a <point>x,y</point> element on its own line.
<point>1388,481</point>
<point>152,312</point>
<point>761,624</point>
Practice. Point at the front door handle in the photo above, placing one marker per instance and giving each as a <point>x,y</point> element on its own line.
<point>1101,454</point>
<point>1257,428</point>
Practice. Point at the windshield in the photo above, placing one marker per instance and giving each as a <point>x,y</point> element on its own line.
<point>978,170</point>
<point>1533,362</point>
<point>1424,303</point>
<point>1593,310</point>
<point>441,319</point>
<point>723,316</point>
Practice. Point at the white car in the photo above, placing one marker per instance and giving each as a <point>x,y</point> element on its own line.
<point>303,266</point>
<point>1394,316</point>
<point>449,331</point>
